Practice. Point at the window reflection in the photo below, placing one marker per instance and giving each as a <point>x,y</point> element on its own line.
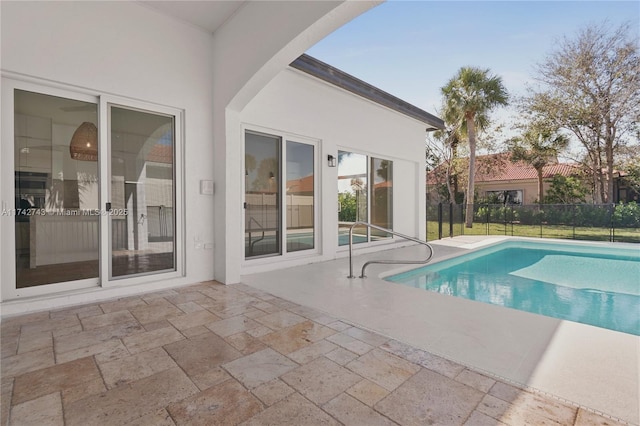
<point>300,193</point>
<point>142,192</point>
<point>56,189</point>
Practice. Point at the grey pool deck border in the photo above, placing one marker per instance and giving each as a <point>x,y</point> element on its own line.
<point>588,366</point>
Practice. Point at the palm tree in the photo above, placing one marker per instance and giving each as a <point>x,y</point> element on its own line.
<point>468,98</point>
<point>538,145</point>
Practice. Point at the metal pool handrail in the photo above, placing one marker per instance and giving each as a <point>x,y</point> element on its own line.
<point>385,262</point>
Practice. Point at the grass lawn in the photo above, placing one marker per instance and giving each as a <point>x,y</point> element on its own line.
<point>630,235</point>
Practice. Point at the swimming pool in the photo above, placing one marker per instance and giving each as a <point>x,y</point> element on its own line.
<point>590,284</point>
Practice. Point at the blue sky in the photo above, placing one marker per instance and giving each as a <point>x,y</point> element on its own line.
<point>412,48</point>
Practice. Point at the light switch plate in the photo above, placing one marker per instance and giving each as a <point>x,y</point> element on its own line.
<point>206,187</point>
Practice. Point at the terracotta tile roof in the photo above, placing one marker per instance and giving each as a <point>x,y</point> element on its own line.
<point>300,186</point>
<point>499,167</point>
<point>161,153</point>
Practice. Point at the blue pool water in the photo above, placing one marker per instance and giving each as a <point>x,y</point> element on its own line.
<point>592,285</point>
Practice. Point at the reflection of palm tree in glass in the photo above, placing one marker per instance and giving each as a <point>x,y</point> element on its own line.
<point>358,187</point>
<point>266,179</point>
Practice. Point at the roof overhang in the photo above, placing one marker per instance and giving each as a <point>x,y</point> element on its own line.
<point>345,81</point>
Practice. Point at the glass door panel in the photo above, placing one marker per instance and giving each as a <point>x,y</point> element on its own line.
<point>352,196</point>
<point>56,189</point>
<point>262,230</point>
<point>300,193</point>
<point>381,197</point>
<point>142,191</point>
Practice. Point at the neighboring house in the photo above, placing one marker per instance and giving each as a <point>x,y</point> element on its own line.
<point>496,174</point>
<point>160,144</point>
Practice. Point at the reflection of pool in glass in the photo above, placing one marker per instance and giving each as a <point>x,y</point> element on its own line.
<point>596,285</point>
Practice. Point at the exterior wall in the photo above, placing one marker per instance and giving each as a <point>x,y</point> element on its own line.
<point>127,50</point>
<point>131,51</point>
<point>240,72</point>
<point>299,104</point>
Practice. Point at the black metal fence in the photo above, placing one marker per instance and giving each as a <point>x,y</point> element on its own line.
<point>596,222</point>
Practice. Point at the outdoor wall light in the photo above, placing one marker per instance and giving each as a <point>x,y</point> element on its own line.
<point>331,160</point>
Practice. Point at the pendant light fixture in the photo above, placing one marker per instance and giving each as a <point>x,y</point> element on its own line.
<point>84,143</point>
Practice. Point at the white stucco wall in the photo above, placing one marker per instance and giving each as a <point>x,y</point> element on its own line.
<point>297,103</point>
<point>131,51</point>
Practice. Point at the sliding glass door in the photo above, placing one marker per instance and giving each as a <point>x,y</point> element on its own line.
<point>273,224</point>
<point>365,194</point>
<point>56,189</point>
<point>95,190</point>
<point>142,192</point>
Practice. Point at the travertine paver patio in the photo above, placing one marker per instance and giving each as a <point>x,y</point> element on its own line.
<point>212,354</point>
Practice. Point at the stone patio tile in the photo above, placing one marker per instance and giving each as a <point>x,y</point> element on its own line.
<point>255,313</point>
<point>547,407</point>
<point>233,325</point>
<point>225,404</point>
<point>259,331</point>
<point>83,390</point>
<point>350,411</point>
<point>157,325</point>
<point>24,319</point>
<point>306,312</point>
<point>104,351</point>
<point>46,410</point>
<point>280,320</point>
<point>23,363</point>
<point>296,337</point>
<point>266,306</point>
<point>187,296</point>
<point>127,403</point>
<point>245,343</point>
<point>50,324</point>
<point>159,418</point>
<point>189,307</point>
<point>589,418</point>
<point>210,378</point>
<point>91,337</point>
<point>525,405</point>
<point>311,352</point>
<point>83,311</point>
<point>424,359</point>
<point>367,392</point>
<point>103,320</point>
<point>155,312</point>
<point>9,339</point>
<point>475,380</point>
<point>350,343</point>
<point>135,367</point>
<point>5,399</point>
<point>195,331</point>
<point>321,380</point>
<point>34,341</point>
<point>122,304</point>
<point>341,356</point>
<point>430,398</point>
<point>152,339</point>
<point>193,319</point>
<point>153,297</point>
<point>273,391</point>
<point>339,325</point>
<point>53,379</point>
<point>260,367</point>
<point>66,331</point>
<point>479,419</point>
<point>201,353</point>
<point>293,410</point>
<point>383,368</point>
<point>366,336</point>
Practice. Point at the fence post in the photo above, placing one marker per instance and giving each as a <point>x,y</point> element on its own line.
<point>450,220</point>
<point>575,206</point>
<point>488,219</point>
<point>439,221</point>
